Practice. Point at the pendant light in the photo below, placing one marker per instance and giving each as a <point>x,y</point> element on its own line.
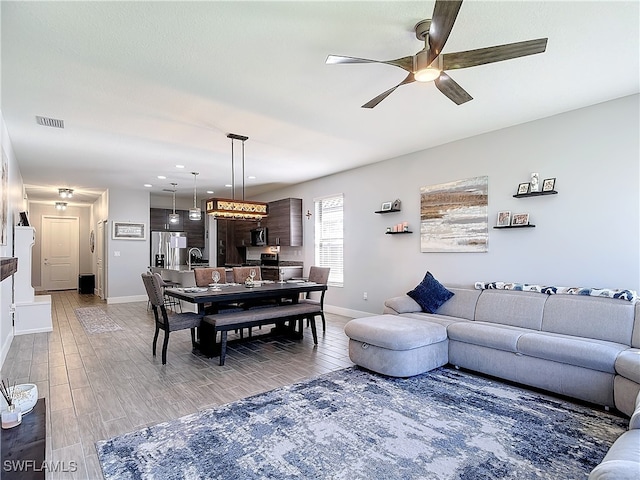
<point>65,192</point>
<point>174,217</point>
<point>194,213</point>
<point>61,205</point>
<point>233,209</point>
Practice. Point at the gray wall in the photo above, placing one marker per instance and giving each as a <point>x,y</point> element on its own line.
<point>126,260</point>
<point>587,235</point>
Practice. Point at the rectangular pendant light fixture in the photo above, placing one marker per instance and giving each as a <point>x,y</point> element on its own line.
<point>230,208</point>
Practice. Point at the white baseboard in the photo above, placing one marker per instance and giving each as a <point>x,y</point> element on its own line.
<point>5,348</point>
<point>130,299</point>
<point>347,312</point>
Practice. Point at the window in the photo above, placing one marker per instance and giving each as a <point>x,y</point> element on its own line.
<point>329,237</point>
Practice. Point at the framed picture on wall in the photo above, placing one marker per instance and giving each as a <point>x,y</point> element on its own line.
<point>129,231</point>
<point>548,184</point>
<point>523,188</point>
<point>520,219</point>
<point>504,219</point>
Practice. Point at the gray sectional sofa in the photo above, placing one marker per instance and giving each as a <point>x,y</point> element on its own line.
<point>584,347</point>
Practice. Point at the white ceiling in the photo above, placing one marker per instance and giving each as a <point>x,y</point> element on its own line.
<point>143,86</point>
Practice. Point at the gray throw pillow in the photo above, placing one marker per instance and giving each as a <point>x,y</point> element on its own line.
<point>430,294</point>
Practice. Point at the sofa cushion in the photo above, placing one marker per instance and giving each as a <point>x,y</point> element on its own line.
<point>621,461</point>
<point>430,294</point>
<point>628,364</point>
<point>401,304</point>
<point>577,351</point>
<point>443,320</point>
<point>605,319</point>
<point>502,337</point>
<point>518,309</point>
<point>462,304</point>
<point>395,333</point>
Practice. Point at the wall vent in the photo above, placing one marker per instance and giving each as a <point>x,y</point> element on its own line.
<point>49,122</point>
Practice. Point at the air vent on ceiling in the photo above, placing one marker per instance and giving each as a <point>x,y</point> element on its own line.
<point>49,122</point>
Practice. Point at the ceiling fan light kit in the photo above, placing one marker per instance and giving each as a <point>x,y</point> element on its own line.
<point>230,208</point>
<point>429,64</point>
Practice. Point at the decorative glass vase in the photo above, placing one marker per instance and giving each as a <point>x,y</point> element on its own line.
<point>11,417</point>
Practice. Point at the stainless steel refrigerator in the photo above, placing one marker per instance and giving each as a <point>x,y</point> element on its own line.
<point>168,249</point>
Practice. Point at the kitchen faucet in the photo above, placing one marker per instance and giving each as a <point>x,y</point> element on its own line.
<point>199,255</point>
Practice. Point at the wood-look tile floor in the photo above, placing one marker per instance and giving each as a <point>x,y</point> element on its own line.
<point>102,385</point>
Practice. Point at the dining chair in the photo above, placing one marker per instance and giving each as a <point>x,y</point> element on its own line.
<point>203,276</point>
<point>168,322</point>
<point>319,275</point>
<point>240,274</point>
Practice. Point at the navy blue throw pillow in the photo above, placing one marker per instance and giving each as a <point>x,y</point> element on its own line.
<point>430,294</point>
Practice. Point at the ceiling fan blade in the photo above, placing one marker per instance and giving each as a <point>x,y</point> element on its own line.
<point>406,63</point>
<point>481,56</point>
<point>444,16</point>
<point>375,101</point>
<point>451,89</point>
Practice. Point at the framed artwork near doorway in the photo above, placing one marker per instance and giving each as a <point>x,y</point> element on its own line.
<point>129,231</point>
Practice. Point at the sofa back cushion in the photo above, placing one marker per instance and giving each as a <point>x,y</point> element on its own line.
<point>462,304</point>
<point>605,319</point>
<point>507,307</point>
<point>635,341</point>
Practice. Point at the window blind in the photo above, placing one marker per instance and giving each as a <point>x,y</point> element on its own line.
<point>329,237</point>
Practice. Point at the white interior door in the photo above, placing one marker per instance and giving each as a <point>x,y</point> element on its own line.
<point>100,259</point>
<point>60,253</point>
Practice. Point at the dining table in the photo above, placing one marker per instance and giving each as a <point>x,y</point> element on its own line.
<point>225,294</point>
<point>238,293</point>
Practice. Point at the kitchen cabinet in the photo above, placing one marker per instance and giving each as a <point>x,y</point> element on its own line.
<point>285,222</point>
<point>159,222</point>
<point>273,273</point>
<point>229,250</point>
<point>242,232</point>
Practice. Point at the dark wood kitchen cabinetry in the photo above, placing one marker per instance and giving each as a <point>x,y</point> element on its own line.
<point>242,232</point>
<point>285,222</point>
<point>159,222</point>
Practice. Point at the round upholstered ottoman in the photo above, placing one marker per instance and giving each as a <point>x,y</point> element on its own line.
<point>397,346</point>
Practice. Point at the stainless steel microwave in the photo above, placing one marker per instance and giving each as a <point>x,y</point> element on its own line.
<point>259,237</point>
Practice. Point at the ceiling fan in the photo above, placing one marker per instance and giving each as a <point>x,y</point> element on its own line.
<point>429,64</point>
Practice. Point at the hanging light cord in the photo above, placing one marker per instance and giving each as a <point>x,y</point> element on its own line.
<point>195,174</point>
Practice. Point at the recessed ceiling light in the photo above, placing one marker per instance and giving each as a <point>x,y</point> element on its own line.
<point>162,177</point>
<point>228,185</point>
<point>179,166</point>
<point>251,177</point>
<point>148,185</point>
<point>209,191</point>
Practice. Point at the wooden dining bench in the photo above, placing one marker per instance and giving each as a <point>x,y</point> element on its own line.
<point>255,317</point>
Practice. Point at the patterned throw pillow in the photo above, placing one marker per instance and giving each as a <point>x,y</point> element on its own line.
<point>430,294</point>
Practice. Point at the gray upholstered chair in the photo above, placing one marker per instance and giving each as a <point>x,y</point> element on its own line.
<point>319,275</point>
<point>168,322</point>
<point>203,276</point>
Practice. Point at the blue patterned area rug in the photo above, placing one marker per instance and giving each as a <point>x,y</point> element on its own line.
<point>96,320</point>
<point>352,424</point>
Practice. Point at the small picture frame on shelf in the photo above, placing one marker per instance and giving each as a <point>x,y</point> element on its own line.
<point>504,219</point>
<point>548,184</point>
<point>386,206</point>
<point>520,219</point>
<point>523,188</point>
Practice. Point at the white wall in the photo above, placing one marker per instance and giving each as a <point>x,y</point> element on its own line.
<point>587,235</point>
<point>17,203</point>
<point>127,259</point>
